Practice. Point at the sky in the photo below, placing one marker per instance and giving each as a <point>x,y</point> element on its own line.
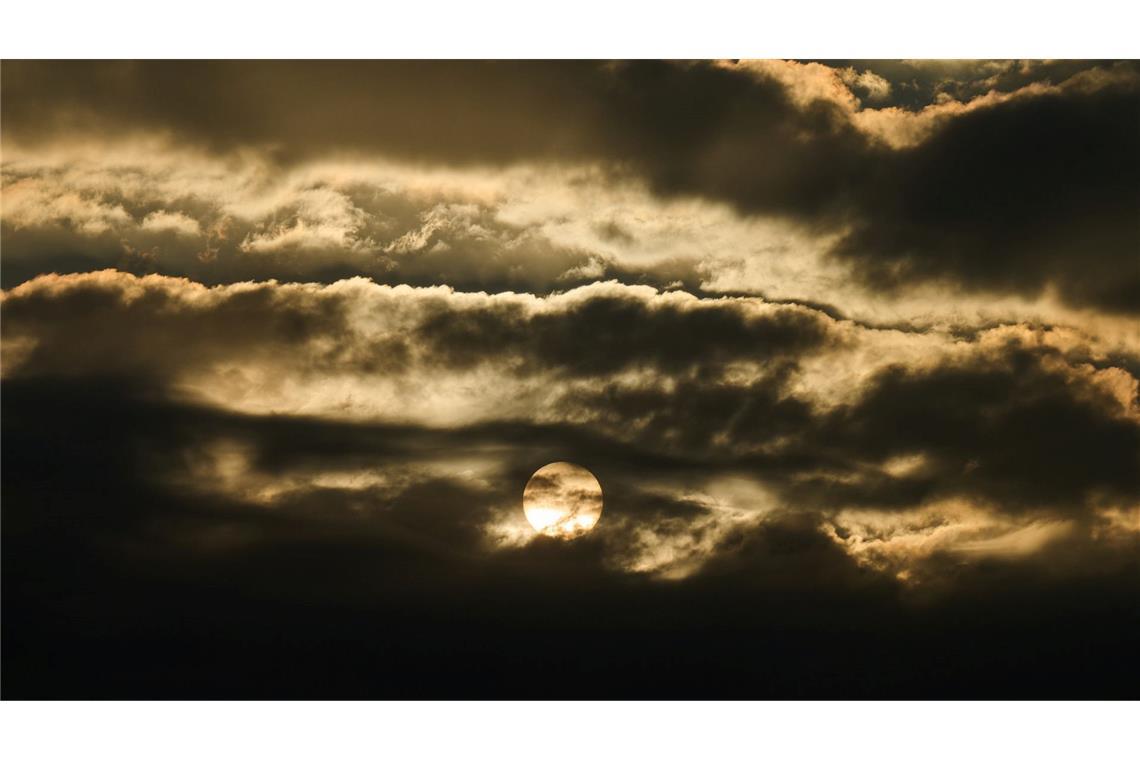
<point>852,349</point>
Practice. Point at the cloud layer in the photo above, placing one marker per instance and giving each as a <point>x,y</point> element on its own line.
<point>853,348</point>
<point>998,193</point>
<point>727,401</point>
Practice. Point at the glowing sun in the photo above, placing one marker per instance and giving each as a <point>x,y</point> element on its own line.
<point>563,500</point>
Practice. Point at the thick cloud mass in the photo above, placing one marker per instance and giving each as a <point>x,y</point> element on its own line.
<point>1003,193</point>
<point>1041,191</point>
<point>852,348</point>
<point>645,384</point>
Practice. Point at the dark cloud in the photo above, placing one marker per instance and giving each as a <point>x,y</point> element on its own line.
<point>111,322</point>
<point>915,84</point>
<point>702,414</point>
<point>618,329</point>
<point>652,113</point>
<point>271,479</point>
<point>690,128</point>
<point>118,585</point>
<point>1016,427</point>
<point>394,600</point>
<point>1033,193</point>
<point>1010,430</point>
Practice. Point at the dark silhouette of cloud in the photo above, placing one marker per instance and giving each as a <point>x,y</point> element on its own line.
<point>284,341</point>
<point>1032,191</point>
<point>169,592</point>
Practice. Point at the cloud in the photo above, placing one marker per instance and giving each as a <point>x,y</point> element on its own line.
<point>637,384</point>
<point>1019,197</point>
<point>178,223</point>
<point>359,551</point>
<point>850,346</point>
<point>876,87</point>
<point>28,204</point>
<point>85,324</point>
<point>996,190</point>
<point>1017,430</point>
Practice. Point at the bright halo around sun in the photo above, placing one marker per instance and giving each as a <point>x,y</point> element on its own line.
<point>563,500</point>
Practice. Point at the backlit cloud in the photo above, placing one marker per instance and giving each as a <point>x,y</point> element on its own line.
<point>851,347</point>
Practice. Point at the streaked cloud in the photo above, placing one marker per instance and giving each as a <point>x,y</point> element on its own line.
<point>853,348</point>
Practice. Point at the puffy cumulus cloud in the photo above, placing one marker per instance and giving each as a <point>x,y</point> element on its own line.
<point>177,222</point>
<point>29,203</point>
<point>321,218</point>
<point>876,87</point>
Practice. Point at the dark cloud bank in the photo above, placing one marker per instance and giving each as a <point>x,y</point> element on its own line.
<point>118,586</point>
<point>1012,197</point>
<point>241,491</point>
<point>125,577</point>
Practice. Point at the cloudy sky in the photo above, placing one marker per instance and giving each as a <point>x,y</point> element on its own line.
<point>852,347</point>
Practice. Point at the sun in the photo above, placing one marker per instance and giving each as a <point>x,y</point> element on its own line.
<point>563,500</point>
